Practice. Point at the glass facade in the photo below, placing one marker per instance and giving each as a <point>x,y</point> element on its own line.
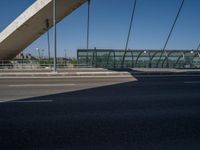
<point>111,59</point>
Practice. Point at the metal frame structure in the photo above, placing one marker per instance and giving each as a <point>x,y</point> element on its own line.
<point>112,59</point>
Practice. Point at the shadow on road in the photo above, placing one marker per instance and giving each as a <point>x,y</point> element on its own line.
<point>151,113</point>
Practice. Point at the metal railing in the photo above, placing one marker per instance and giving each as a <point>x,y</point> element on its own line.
<point>27,64</point>
<point>110,59</point>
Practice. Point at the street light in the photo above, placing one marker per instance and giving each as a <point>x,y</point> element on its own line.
<point>65,51</point>
<point>65,57</point>
<point>54,36</point>
<point>37,49</point>
<point>43,56</point>
<point>48,40</point>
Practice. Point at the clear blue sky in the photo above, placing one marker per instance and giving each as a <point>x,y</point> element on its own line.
<point>109,25</point>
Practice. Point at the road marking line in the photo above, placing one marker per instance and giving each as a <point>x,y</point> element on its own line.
<point>70,77</point>
<point>155,76</point>
<point>191,82</point>
<point>32,101</point>
<point>40,85</point>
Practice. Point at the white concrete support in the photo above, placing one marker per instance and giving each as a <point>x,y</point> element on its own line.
<point>31,24</point>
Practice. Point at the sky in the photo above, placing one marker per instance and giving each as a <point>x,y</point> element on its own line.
<point>110,22</point>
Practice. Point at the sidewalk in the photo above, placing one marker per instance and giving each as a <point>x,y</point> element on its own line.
<point>65,74</point>
<point>94,72</point>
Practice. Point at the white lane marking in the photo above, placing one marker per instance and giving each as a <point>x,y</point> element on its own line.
<point>28,101</point>
<point>32,101</point>
<point>155,76</point>
<point>40,85</point>
<point>191,82</point>
<point>70,77</point>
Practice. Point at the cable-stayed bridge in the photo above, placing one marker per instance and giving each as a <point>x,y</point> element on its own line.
<point>38,19</point>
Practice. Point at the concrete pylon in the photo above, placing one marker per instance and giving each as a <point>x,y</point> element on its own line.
<point>31,24</point>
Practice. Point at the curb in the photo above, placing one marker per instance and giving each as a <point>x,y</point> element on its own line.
<point>68,74</point>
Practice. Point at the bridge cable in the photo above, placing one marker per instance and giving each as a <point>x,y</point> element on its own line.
<point>129,32</point>
<point>88,28</point>
<point>198,47</point>
<point>170,33</point>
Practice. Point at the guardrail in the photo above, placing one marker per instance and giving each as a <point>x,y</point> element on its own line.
<point>113,59</point>
<point>37,64</point>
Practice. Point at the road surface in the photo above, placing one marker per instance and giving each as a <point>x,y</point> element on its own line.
<point>153,113</point>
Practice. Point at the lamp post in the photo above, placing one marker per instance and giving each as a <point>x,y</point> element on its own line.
<point>43,55</point>
<point>88,29</point>
<point>88,24</point>
<point>65,53</point>
<point>48,39</point>
<point>37,49</point>
<point>54,37</point>
<point>65,57</point>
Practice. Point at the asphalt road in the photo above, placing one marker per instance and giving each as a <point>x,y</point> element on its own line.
<point>19,88</point>
<point>153,113</point>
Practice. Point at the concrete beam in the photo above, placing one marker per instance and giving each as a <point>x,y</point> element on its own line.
<point>31,24</point>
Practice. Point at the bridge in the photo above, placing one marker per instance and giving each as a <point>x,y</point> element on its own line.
<point>31,24</point>
<point>97,109</point>
<point>38,19</point>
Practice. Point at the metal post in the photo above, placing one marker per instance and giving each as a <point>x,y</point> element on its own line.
<point>114,60</point>
<point>78,57</point>
<point>39,56</point>
<point>48,39</point>
<point>49,52</point>
<point>88,24</point>
<point>65,57</point>
<point>132,65</point>
<point>88,29</point>
<point>54,36</point>
<point>42,54</point>
<point>65,54</point>
<point>95,57</point>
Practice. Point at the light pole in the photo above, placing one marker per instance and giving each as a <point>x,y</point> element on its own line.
<point>65,57</point>
<point>88,29</point>
<point>54,36</point>
<point>43,55</point>
<point>37,49</point>
<point>65,53</point>
<point>48,39</point>
<point>88,25</point>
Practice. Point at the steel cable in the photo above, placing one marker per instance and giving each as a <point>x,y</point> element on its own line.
<point>129,32</point>
<point>170,33</point>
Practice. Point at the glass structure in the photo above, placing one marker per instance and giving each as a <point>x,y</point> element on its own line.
<point>112,59</point>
